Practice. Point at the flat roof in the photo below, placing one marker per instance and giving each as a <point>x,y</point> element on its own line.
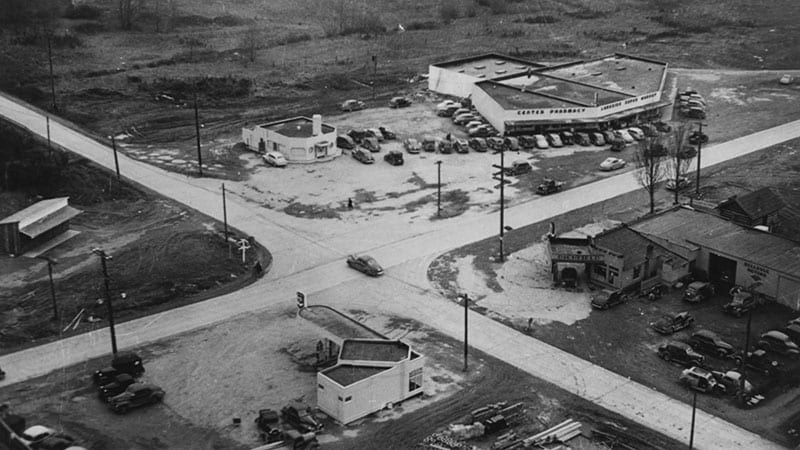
<point>622,73</point>
<point>373,350</point>
<point>712,231</point>
<point>489,65</point>
<point>296,127</point>
<point>514,98</point>
<point>347,374</point>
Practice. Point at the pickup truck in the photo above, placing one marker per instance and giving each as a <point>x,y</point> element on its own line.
<point>549,186</point>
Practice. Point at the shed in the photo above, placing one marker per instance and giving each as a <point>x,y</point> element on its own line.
<point>38,227</point>
<point>759,207</point>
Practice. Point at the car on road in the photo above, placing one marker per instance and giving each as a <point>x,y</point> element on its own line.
<point>540,141</point>
<point>583,139</point>
<point>683,183</point>
<point>681,353</point>
<point>135,396</point>
<point>394,157</point>
<point>429,144</point>
<point>365,264</point>
<point>705,341</point>
<point>672,323</point>
<point>761,363</point>
<point>636,133</point>
<point>353,105</point>
<point>275,159</point>
<point>412,146</point>
<point>701,380</point>
<point>625,136</point>
<point>116,387</point>
<point>345,142</point>
<point>612,164</point>
<point>549,186</point>
<point>554,140</point>
<point>596,138</point>
<point>607,298</point>
<point>363,155</point>
<point>778,342</point>
<point>697,291</point>
<point>399,102</point>
<point>478,144</point>
<point>461,146</point>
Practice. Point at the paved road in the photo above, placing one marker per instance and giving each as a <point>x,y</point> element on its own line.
<point>311,260</point>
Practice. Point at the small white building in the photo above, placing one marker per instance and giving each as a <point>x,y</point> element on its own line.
<point>299,139</point>
<point>371,374</point>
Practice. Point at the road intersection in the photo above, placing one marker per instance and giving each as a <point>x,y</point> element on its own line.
<point>307,258</point>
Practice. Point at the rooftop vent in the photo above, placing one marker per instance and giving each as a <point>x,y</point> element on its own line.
<point>460,70</point>
<point>501,71</point>
<point>499,63</point>
<point>521,66</point>
<point>594,74</point>
<point>621,68</point>
<point>480,67</point>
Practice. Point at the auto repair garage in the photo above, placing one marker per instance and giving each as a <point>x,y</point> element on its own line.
<point>516,96</point>
<point>299,139</point>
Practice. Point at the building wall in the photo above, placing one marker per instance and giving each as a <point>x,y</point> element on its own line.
<point>10,238</point>
<point>302,149</point>
<point>789,292</point>
<point>449,82</point>
<point>488,108</point>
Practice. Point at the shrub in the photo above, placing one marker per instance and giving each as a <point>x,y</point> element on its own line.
<point>228,20</point>
<point>294,37</point>
<point>496,6</point>
<point>426,25</point>
<point>538,19</point>
<point>86,12</point>
<point>89,28</point>
<point>364,23</point>
<point>448,11</point>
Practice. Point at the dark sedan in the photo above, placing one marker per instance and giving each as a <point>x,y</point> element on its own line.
<point>669,324</point>
<point>365,264</point>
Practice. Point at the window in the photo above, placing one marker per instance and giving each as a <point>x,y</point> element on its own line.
<point>348,399</point>
<point>415,380</point>
<point>599,269</point>
<point>637,271</point>
<point>321,386</point>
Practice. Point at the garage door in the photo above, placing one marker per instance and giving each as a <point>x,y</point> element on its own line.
<point>789,292</point>
<point>721,270</point>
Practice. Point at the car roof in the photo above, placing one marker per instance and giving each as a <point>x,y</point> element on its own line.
<point>697,284</point>
<point>777,335</point>
<point>706,333</point>
<point>38,430</point>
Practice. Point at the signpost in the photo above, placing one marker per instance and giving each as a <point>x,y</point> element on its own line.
<point>243,244</point>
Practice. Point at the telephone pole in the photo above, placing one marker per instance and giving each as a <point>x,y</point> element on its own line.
<point>699,147</point>
<point>465,299</point>
<point>52,79</point>
<point>197,133</point>
<point>103,257</point>
<point>503,182</point>
<point>439,189</point>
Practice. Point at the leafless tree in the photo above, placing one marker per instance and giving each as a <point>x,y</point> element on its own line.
<point>650,159</point>
<point>128,9</point>
<point>681,154</point>
<point>252,40</point>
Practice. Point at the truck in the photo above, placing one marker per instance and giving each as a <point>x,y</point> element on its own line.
<point>549,186</point>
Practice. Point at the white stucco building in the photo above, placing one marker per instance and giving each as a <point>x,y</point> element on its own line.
<point>371,374</point>
<point>299,139</point>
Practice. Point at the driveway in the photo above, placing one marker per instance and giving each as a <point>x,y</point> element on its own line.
<point>308,260</point>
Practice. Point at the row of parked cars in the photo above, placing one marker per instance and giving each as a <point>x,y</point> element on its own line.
<point>691,104</point>
<point>118,387</point>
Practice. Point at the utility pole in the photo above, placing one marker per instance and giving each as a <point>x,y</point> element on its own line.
<point>503,182</point>
<point>116,161</point>
<point>52,79</point>
<point>50,263</point>
<point>465,298</point>
<point>699,147</point>
<point>103,257</point>
<point>439,189</point>
<point>694,409</point>
<point>225,219</point>
<point>49,143</point>
<point>197,133</point>
<point>743,365</point>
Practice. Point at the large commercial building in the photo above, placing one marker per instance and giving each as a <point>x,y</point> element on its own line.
<point>371,374</point>
<point>299,139</point>
<point>519,97</point>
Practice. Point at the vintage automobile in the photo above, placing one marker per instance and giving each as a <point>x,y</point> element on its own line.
<point>275,159</point>
<point>478,144</point>
<point>394,157</point>
<point>669,324</point>
<point>135,396</point>
<point>708,342</point>
<point>365,264</point>
<point>778,342</point>
<point>681,353</point>
<point>612,164</point>
<point>698,291</point>
<point>353,105</point>
<point>412,146</point>
<point>363,155</point>
<point>116,387</point>
<point>399,102</point>
<point>761,363</point>
<point>701,380</point>
<point>124,362</point>
<point>606,299</point>
<point>300,417</point>
<point>518,167</point>
<point>741,302</point>
<point>549,186</point>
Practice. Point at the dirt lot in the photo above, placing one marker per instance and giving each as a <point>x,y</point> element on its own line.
<point>565,319</point>
<point>270,360</point>
<point>148,238</point>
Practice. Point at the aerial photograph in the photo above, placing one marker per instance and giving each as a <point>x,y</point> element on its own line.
<point>399,224</point>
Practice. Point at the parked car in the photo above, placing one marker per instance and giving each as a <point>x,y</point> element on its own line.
<point>353,105</point>
<point>681,353</point>
<point>479,131</point>
<point>653,292</point>
<point>731,382</point>
<point>447,111</point>
<point>669,324</point>
<point>696,137</point>
<point>567,137</point>
<point>596,138</point>
<point>444,146</point>
<point>363,155</point>
<point>549,186</point>
<point>695,112</point>
<point>37,433</point>
<point>778,342</point>
<point>662,127</point>
<point>786,79</point>
<point>540,141</point>
<point>365,264</point>
<point>683,182</point>
<point>554,140</point>
<point>495,143</point>
<point>636,133</point>
<point>793,331</point>
<point>741,302</point>
<point>518,167</point>
<point>371,143</point>
<point>345,142</point>
<point>412,146</point>
<point>698,291</point>
<point>649,130</point>
<point>124,362</point>
<point>399,102</point>
<point>394,157</point>
<point>701,380</point>
<point>461,110</point>
<point>582,138</point>
<point>625,136</point>
<point>461,146</point>
<point>607,298</point>
<point>527,141</point>
<point>135,396</point>
<point>357,135</point>
<point>478,144</point>
<point>612,164</point>
<point>761,363</point>
<point>473,124</point>
<point>275,159</point>
<point>708,342</point>
<point>446,103</point>
<point>609,136</point>
<point>300,417</point>
<point>617,144</point>
<point>464,118</point>
<point>387,133</point>
<point>116,387</point>
<point>429,144</point>
<point>512,143</point>
<point>376,133</point>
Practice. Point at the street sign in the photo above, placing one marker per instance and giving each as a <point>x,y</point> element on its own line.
<point>301,300</point>
<point>504,181</point>
<point>497,167</point>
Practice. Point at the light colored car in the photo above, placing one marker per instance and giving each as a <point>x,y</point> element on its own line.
<point>447,103</point>
<point>541,141</point>
<point>473,124</point>
<point>554,140</point>
<point>700,379</point>
<point>353,105</point>
<point>275,159</point>
<point>376,133</point>
<point>612,164</point>
<point>464,118</point>
<point>363,155</point>
<point>412,146</point>
<point>786,79</point>
<point>625,136</point>
<point>636,133</point>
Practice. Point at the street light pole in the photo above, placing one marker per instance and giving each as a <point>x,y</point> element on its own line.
<point>502,203</point>
<point>439,189</point>
<point>103,257</point>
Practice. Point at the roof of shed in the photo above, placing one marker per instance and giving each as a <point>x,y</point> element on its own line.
<point>756,204</point>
